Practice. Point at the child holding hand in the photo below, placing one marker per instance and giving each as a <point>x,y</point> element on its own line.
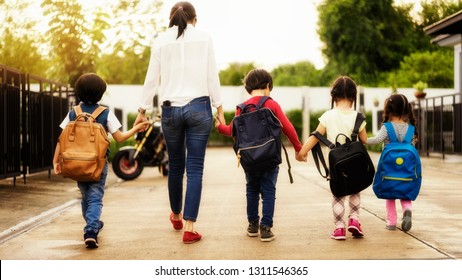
<point>340,119</point>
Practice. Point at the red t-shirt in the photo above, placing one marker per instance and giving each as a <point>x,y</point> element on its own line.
<point>287,127</point>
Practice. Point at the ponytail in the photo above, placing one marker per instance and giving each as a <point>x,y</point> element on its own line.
<point>180,15</point>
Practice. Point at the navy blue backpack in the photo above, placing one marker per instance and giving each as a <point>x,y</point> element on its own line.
<point>399,171</point>
<point>257,133</point>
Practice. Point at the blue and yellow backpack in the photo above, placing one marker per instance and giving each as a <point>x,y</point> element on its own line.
<point>399,170</point>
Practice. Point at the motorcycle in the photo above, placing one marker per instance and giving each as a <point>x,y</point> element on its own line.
<point>150,150</point>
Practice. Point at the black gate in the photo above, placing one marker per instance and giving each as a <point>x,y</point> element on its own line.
<point>31,110</point>
<point>439,124</point>
<point>10,114</point>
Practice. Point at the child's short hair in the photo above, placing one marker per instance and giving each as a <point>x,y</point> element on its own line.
<point>90,88</point>
<point>258,79</point>
<point>343,87</point>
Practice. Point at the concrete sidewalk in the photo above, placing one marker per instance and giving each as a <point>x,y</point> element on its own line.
<point>137,226</point>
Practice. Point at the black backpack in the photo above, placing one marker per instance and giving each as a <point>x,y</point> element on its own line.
<point>350,167</point>
<point>257,133</point>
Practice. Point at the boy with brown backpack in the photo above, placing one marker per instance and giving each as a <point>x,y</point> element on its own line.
<point>82,150</point>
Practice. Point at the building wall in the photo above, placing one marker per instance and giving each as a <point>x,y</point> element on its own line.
<point>126,97</point>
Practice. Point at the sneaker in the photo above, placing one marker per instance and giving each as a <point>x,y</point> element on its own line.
<point>355,228</point>
<point>101,225</point>
<point>407,220</point>
<point>191,237</point>
<point>91,240</point>
<point>390,227</point>
<point>177,224</point>
<point>265,234</point>
<point>339,234</point>
<point>252,229</point>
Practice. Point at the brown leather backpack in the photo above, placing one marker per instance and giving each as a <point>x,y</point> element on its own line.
<point>83,145</point>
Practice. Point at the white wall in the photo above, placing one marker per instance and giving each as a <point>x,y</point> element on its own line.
<point>126,97</point>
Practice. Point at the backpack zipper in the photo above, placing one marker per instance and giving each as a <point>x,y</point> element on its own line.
<point>83,158</point>
<point>248,148</point>
<point>396,178</point>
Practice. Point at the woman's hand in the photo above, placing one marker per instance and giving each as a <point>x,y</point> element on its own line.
<point>218,121</point>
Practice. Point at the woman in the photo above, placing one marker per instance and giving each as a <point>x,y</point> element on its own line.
<point>183,71</point>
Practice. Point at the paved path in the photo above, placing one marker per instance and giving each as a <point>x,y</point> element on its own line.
<point>137,227</point>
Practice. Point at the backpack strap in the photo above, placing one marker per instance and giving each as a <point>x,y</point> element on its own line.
<point>289,167</point>
<point>409,134</point>
<point>392,134</point>
<point>318,156</point>
<point>262,101</point>
<point>98,111</point>
<point>78,110</point>
<point>359,120</point>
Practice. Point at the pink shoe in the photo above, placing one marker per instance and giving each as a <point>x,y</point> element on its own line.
<point>355,228</point>
<point>177,225</point>
<point>339,234</point>
<point>191,237</point>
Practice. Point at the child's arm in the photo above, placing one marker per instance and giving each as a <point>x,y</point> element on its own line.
<point>363,136</point>
<point>381,135</point>
<point>120,136</point>
<point>56,166</point>
<point>310,143</point>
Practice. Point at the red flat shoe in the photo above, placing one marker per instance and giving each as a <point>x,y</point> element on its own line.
<point>177,225</point>
<point>191,237</point>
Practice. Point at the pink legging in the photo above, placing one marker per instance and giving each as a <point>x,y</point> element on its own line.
<point>390,204</point>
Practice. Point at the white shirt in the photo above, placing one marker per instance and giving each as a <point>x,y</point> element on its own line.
<point>182,69</point>
<point>339,121</point>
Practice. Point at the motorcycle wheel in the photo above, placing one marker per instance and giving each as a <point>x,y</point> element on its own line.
<point>123,169</point>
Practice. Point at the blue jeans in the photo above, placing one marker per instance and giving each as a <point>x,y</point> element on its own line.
<point>261,183</point>
<point>92,201</point>
<point>186,130</point>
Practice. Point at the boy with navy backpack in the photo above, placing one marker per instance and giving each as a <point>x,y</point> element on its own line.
<point>252,144</point>
<point>399,170</point>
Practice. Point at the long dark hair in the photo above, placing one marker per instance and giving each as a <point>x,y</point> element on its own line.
<point>343,87</point>
<point>180,14</point>
<point>397,105</point>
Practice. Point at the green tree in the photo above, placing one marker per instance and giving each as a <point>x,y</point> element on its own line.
<point>126,56</point>
<point>74,45</point>
<point>299,74</point>
<point>124,66</point>
<point>18,39</point>
<point>235,73</point>
<point>435,10</point>
<point>436,68</point>
<point>364,38</point>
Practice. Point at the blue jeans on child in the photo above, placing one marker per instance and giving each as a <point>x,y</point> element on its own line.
<point>92,201</point>
<point>261,183</point>
<point>186,131</point>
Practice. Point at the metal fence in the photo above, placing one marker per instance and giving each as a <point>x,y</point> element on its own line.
<point>31,111</point>
<point>439,124</point>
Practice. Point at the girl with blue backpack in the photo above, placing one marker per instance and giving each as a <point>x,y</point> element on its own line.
<point>398,174</point>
